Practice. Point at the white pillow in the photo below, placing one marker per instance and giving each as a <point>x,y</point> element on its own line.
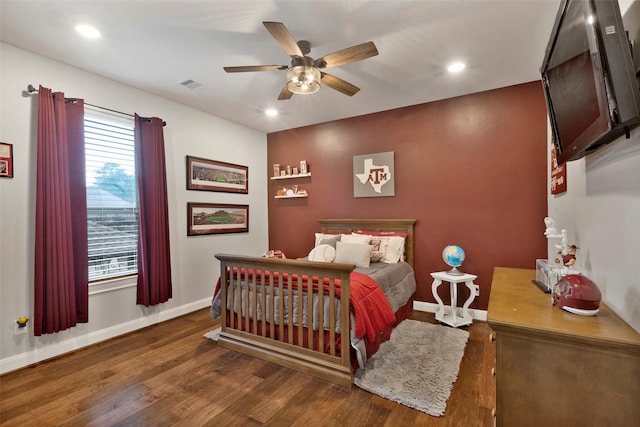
<point>322,253</point>
<point>353,253</point>
<point>355,238</point>
<point>392,248</point>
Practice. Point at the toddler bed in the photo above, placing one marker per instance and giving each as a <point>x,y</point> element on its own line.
<point>292,312</point>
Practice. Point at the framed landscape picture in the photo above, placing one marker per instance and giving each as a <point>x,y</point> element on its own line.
<point>211,175</point>
<point>213,218</point>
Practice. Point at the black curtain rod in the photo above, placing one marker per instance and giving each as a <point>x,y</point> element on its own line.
<point>31,89</point>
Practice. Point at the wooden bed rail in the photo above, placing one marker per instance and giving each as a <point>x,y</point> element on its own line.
<point>269,328</point>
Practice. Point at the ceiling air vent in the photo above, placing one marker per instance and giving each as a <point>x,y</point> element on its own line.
<point>190,84</point>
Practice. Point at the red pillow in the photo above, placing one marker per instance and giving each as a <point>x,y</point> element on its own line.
<point>384,233</point>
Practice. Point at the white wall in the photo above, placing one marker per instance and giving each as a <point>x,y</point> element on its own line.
<point>194,268</point>
<point>601,212</point>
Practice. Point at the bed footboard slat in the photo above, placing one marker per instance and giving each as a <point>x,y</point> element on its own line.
<point>290,310</point>
<point>232,299</point>
<point>254,311</point>
<point>309,310</point>
<point>320,311</point>
<point>332,318</point>
<point>263,297</point>
<point>300,314</point>
<point>270,307</point>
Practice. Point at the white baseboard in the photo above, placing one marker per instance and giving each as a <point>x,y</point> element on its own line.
<point>49,351</point>
<point>429,307</point>
<point>53,350</point>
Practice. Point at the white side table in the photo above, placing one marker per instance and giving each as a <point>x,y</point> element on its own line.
<point>450,315</point>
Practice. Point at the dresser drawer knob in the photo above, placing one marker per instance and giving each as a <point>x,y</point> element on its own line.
<point>493,372</point>
<point>492,337</point>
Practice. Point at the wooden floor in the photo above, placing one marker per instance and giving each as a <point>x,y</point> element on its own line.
<point>169,374</point>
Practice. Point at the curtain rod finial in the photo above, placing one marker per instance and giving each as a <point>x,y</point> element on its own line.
<point>30,91</point>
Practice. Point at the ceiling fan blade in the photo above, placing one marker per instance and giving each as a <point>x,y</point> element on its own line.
<point>282,36</point>
<point>245,68</point>
<point>338,84</point>
<point>285,94</point>
<point>345,56</point>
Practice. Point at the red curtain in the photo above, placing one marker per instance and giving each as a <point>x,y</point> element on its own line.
<point>154,260</point>
<point>61,284</point>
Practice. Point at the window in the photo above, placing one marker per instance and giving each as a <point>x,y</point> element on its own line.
<point>112,196</point>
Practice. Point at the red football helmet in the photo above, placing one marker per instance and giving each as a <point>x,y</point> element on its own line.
<point>577,294</point>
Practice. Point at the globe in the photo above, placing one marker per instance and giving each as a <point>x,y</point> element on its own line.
<point>454,257</point>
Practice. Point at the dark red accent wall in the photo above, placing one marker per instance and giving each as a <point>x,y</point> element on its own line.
<point>471,170</point>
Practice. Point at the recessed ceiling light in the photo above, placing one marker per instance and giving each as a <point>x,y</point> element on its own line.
<point>271,112</point>
<point>456,67</point>
<point>88,31</point>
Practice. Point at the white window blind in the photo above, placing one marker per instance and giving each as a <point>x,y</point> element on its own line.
<point>112,197</point>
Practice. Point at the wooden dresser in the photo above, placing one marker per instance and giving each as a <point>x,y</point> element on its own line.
<point>554,368</point>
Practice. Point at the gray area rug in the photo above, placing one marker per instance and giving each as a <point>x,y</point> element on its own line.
<point>417,366</point>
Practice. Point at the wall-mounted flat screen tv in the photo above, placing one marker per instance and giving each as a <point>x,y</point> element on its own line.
<point>588,78</point>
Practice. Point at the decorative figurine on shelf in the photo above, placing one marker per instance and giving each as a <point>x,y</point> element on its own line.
<point>551,230</point>
<point>567,252</point>
<point>453,256</point>
<point>569,258</point>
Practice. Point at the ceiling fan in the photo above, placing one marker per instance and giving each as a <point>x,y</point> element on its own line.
<point>304,75</point>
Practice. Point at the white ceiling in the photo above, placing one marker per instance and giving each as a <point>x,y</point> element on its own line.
<point>155,45</point>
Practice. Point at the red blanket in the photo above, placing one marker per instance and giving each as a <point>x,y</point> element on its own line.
<point>371,309</point>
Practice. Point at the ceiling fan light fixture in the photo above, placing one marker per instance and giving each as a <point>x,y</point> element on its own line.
<point>303,80</point>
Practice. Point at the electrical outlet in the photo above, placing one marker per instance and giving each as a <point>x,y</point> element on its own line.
<point>477,291</point>
<point>18,330</point>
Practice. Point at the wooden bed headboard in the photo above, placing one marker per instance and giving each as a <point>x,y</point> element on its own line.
<point>347,226</point>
